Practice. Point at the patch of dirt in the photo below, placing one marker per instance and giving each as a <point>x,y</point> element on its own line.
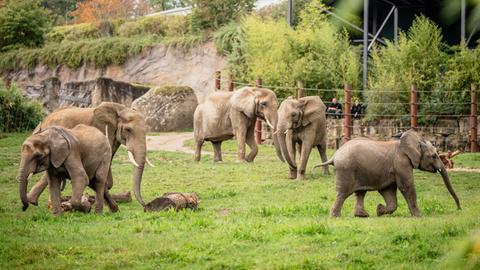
<point>170,141</point>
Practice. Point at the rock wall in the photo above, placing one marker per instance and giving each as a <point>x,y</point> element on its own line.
<point>158,66</point>
<point>53,94</point>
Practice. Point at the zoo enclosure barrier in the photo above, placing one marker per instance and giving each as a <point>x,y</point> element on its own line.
<point>347,125</point>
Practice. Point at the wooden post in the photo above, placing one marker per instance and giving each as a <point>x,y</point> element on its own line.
<point>230,83</point>
<point>300,90</point>
<point>413,107</point>
<point>473,119</point>
<point>258,123</point>
<point>347,119</point>
<point>218,78</point>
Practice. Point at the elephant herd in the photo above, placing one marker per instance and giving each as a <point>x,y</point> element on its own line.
<point>79,144</point>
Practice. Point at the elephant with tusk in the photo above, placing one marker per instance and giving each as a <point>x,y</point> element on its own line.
<point>302,122</point>
<point>224,115</point>
<point>362,165</point>
<point>120,124</point>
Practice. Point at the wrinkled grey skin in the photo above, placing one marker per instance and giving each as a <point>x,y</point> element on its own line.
<point>224,115</point>
<point>302,122</point>
<point>125,126</point>
<point>82,154</point>
<point>363,165</point>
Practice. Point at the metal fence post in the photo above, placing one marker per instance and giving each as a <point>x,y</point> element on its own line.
<point>300,90</point>
<point>473,119</point>
<point>230,83</point>
<point>218,79</point>
<point>347,119</point>
<point>258,123</point>
<point>413,107</point>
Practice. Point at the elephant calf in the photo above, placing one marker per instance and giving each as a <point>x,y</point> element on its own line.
<point>363,165</point>
<point>82,154</point>
<point>302,122</point>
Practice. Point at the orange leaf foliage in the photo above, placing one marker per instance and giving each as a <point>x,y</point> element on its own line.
<point>97,10</point>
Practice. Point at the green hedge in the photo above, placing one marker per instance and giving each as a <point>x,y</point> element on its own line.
<point>18,113</point>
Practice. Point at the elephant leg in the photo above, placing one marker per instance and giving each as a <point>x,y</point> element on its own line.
<point>390,196</point>
<point>305,154</point>
<point>217,151</point>
<point>109,183</point>
<point>78,187</point>
<point>252,144</point>
<point>54,187</point>
<point>241,140</point>
<point>37,189</point>
<point>198,149</point>
<point>337,205</point>
<point>322,149</point>
<point>101,176</point>
<point>408,192</point>
<point>359,206</point>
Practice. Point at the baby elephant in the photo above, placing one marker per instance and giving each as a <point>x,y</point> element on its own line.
<point>82,154</point>
<point>173,200</point>
<point>363,165</point>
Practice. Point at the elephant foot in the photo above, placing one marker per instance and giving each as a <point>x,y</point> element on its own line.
<point>301,177</point>
<point>381,209</point>
<point>293,174</point>
<point>335,214</point>
<point>32,200</point>
<point>361,213</point>
<point>114,208</point>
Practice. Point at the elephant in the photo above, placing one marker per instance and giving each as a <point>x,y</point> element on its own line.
<point>302,121</point>
<point>224,115</point>
<point>82,154</point>
<point>122,126</point>
<point>363,165</point>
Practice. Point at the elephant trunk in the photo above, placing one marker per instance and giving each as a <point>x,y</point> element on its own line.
<point>446,180</point>
<point>283,146</point>
<point>22,178</point>
<point>138,157</point>
<point>278,151</point>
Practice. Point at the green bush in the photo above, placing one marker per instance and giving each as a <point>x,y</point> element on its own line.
<point>83,31</point>
<point>216,13</point>
<point>23,23</point>
<point>155,25</point>
<point>18,113</point>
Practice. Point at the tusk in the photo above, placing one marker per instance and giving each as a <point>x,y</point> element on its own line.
<point>286,131</point>
<point>268,123</point>
<point>148,162</point>
<point>132,159</point>
<point>106,131</point>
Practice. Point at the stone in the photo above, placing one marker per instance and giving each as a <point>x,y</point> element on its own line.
<point>167,108</point>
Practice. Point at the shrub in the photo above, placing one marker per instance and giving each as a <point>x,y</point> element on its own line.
<point>18,113</point>
<point>230,42</point>
<point>216,13</point>
<point>23,23</point>
<point>155,25</point>
<point>83,31</point>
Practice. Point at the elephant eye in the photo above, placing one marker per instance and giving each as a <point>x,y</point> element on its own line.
<point>434,156</point>
<point>129,130</point>
<point>263,103</point>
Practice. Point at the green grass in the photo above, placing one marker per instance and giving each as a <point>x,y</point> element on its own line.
<point>250,216</point>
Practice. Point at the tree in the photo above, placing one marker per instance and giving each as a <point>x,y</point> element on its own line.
<point>216,13</point>
<point>169,4</point>
<point>60,9</point>
<point>23,23</point>
<point>98,10</point>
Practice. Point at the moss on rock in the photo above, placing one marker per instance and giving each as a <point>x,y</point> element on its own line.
<point>171,90</point>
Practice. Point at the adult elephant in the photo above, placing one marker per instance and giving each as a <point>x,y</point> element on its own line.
<point>227,114</point>
<point>122,126</point>
<point>362,165</point>
<point>302,121</point>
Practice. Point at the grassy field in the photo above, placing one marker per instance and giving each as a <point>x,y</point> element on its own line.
<point>251,216</point>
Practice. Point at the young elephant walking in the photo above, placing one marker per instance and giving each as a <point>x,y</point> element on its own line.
<point>363,165</point>
<point>82,154</point>
<point>302,122</point>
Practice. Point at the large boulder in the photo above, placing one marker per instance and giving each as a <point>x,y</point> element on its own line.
<point>167,108</point>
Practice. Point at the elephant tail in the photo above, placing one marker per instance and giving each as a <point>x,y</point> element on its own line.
<point>328,162</point>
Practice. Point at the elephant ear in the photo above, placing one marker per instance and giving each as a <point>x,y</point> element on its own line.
<point>411,145</point>
<point>313,108</point>
<point>244,100</point>
<point>105,117</point>
<point>60,144</point>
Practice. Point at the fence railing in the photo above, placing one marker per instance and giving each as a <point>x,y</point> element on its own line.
<point>347,116</point>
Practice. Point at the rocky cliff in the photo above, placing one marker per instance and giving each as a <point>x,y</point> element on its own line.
<point>158,66</point>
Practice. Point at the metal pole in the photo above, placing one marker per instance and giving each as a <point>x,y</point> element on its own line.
<point>300,90</point>
<point>347,120</point>
<point>289,13</point>
<point>395,26</point>
<point>365,44</point>
<point>413,107</point>
<point>258,123</point>
<point>473,119</point>
<point>462,23</point>
<point>230,83</point>
<point>381,28</point>
<point>218,78</point>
